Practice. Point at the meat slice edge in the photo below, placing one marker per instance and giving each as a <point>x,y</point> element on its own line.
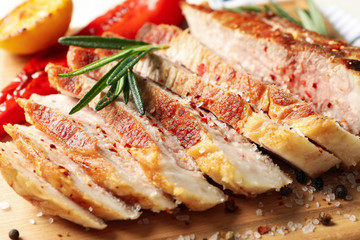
<point>18,173</point>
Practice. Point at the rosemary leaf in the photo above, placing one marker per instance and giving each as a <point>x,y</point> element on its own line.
<point>126,91</point>
<point>245,9</point>
<point>98,64</point>
<point>316,18</point>
<point>306,20</point>
<point>282,13</point>
<point>111,95</point>
<point>135,92</point>
<point>126,64</point>
<point>99,42</point>
<point>92,93</point>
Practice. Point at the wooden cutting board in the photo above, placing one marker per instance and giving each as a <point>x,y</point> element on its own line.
<point>276,210</point>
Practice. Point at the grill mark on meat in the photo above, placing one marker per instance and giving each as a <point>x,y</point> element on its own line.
<point>68,133</point>
<point>172,115</point>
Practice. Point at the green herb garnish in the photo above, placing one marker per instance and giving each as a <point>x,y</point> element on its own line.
<point>120,78</point>
<point>311,19</point>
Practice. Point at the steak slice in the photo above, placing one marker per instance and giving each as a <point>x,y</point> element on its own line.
<point>279,104</point>
<point>159,153</point>
<point>111,167</point>
<point>235,111</point>
<point>20,174</point>
<point>321,70</point>
<point>66,176</point>
<point>221,153</point>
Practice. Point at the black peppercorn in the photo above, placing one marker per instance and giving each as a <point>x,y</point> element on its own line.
<point>317,183</point>
<point>230,205</point>
<point>325,218</point>
<point>300,177</point>
<point>285,191</point>
<point>14,234</point>
<point>340,191</point>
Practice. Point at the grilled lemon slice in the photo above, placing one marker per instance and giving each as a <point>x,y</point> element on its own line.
<point>35,25</point>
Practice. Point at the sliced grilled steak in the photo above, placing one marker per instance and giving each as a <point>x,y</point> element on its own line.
<point>279,104</point>
<point>229,159</point>
<point>320,70</point>
<point>160,154</point>
<point>66,176</point>
<point>221,153</point>
<point>91,145</point>
<point>20,174</point>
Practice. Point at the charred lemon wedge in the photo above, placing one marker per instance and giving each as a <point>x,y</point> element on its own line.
<point>35,25</point>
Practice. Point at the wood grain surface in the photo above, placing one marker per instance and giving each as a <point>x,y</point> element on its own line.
<point>276,209</point>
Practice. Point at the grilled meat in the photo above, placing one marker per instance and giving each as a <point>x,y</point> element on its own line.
<point>159,153</point>
<point>271,49</point>
<point>20,174</point>
<point>67,177</point>
<point>279,104</point>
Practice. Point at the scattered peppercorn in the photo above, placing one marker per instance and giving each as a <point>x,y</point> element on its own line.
<point>325,218</point>
<point>317,183</point>
<point>285,191</point>
<point>230,205</point>
<point>14,234</point>
<point>340,191</point>
<point>300,177</point>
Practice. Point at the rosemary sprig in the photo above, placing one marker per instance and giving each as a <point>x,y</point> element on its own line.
<point>311,20</point>
<point>120,78</point>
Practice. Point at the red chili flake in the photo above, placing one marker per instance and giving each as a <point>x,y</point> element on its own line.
<point>303,83</point>
<point>52,146</point>
<point>201,114</point>
<point>201,69</point>
<point>292,78</point>
<point>42,140</point>
<point>193,105</point>
<point>265,49</point>
<point>60,235</point>
<point>3,150</point>
<point>168,211</point>
<point>160,130</point>
<point>154,124</point>
<point>314,85</point>
<point>113,150</point>
<point>264,229</point>
<point>329,105</point>
<point>204,120</point>
<point>127,145</point>
<point>308,94</point>
<point>273,77</point>
<point>329,203</point>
